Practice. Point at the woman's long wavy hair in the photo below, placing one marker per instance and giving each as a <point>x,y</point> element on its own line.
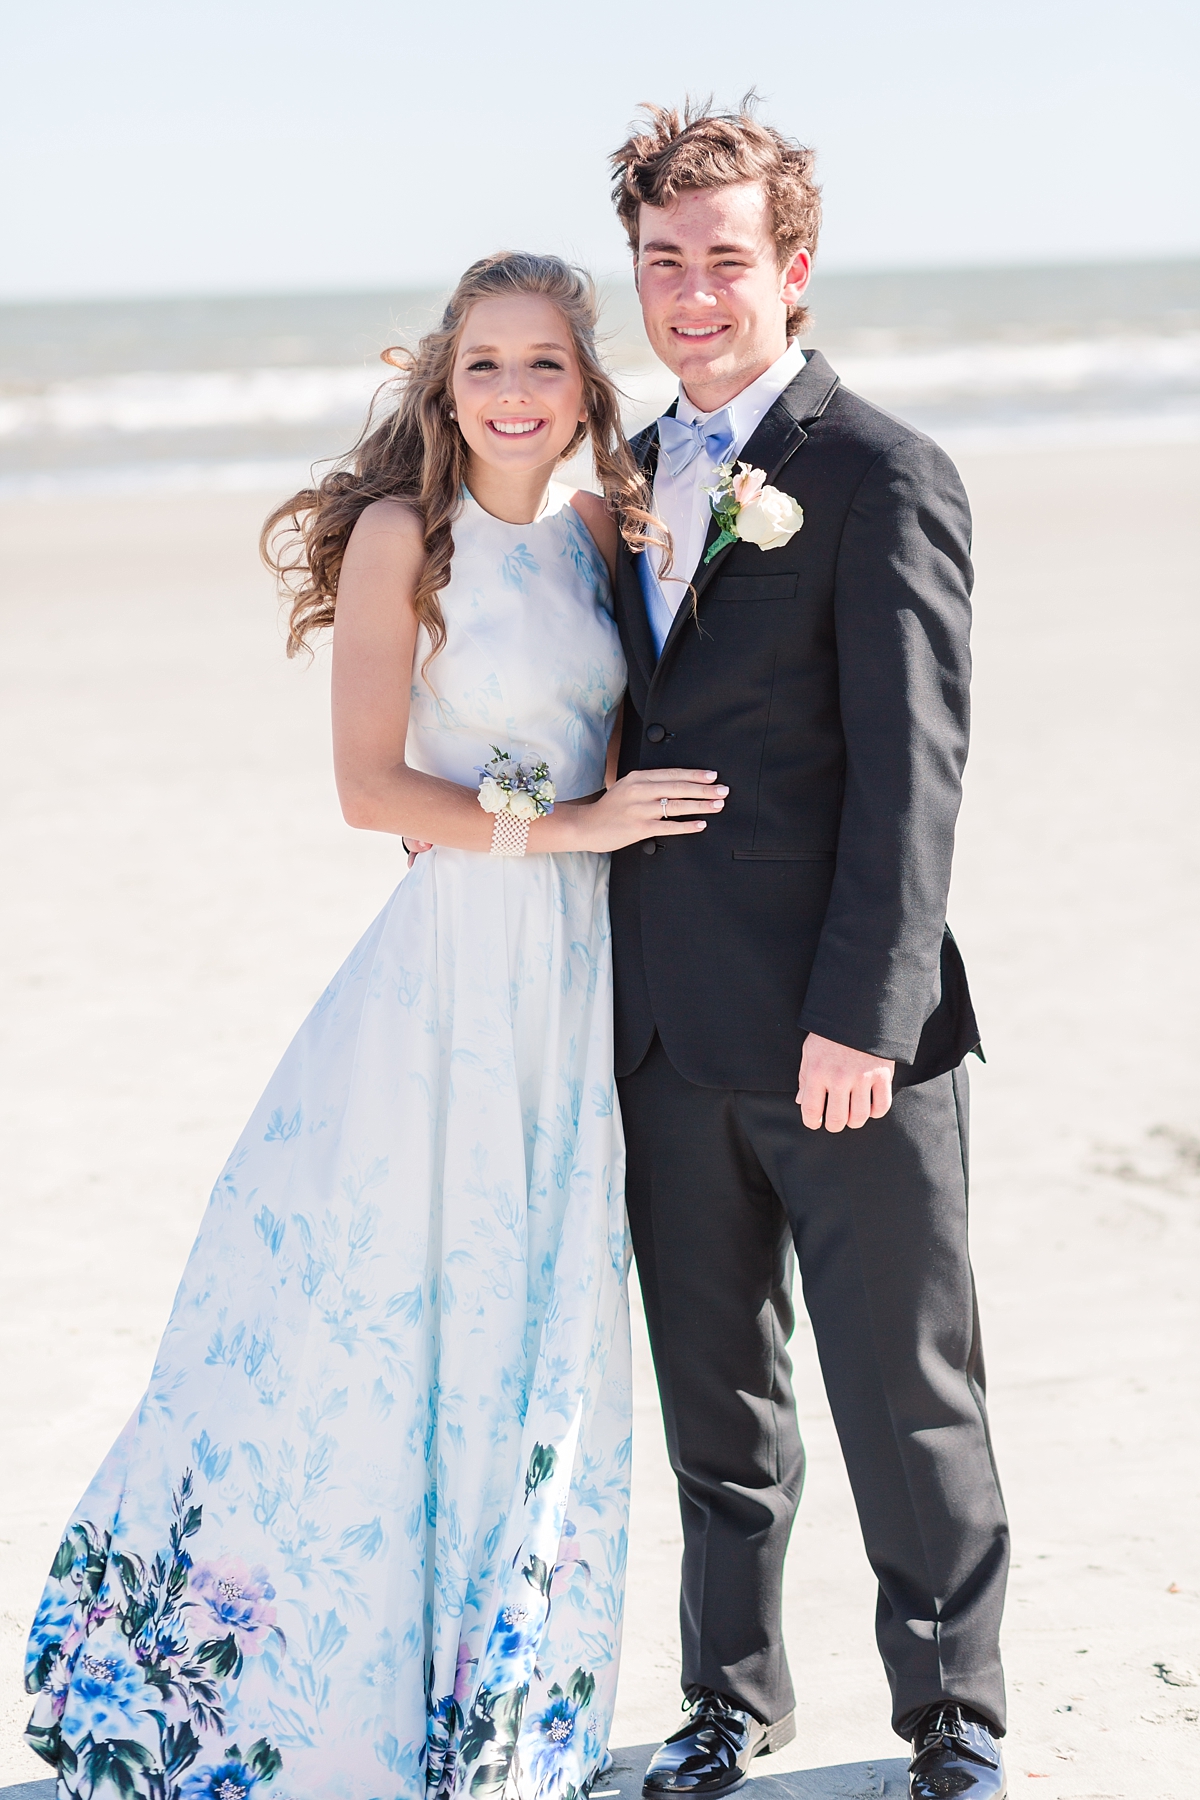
<point>417,453</point>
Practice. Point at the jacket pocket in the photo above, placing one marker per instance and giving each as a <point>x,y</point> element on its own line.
<point>780,586</point>
<point>814,856</point>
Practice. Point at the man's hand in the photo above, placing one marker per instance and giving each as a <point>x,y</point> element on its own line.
<point>841,1086</point>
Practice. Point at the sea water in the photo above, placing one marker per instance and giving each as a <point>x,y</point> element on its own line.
<point>255,392</point>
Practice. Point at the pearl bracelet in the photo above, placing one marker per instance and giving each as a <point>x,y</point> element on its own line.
<point>510,835</point>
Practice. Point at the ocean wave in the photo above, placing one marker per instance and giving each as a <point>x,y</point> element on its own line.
<point>200,400</point>
<point>277,477</point>
<point>192,400</point>
<point>986,371</point>
<point>994,370</point>
<point>134,480</point>
<point>1071,431</point>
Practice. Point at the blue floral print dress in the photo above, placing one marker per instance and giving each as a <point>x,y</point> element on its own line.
<point>365,1534</point>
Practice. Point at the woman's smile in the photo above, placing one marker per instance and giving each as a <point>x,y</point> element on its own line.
<point>515,427</point>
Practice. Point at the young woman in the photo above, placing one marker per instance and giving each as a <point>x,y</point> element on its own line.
<point>365,1534</point>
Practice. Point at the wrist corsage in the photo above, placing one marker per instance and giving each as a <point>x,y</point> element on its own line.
<point>517,793</point>
<point>750,512</point>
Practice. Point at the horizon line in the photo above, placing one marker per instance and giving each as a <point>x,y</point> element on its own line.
<point>607,278</point>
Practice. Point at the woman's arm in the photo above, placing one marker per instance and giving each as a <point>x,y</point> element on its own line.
<point>374,645</point>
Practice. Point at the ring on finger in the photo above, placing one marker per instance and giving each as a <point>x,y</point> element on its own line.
<point>663,804</point>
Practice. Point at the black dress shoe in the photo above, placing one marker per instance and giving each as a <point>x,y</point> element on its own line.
<point>955,1755</point>
<point>712,1752</point>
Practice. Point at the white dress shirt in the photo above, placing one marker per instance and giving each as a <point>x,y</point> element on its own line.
<point>680,501</point>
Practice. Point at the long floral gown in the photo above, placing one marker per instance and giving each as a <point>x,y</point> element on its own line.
<point>365,1534</point>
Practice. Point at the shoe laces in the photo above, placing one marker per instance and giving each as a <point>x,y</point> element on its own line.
<point>706,1700</point>
<point>711,1712</point>
<point>948,1726</point>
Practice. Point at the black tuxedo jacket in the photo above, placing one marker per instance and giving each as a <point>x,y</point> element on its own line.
<point>827,683</point>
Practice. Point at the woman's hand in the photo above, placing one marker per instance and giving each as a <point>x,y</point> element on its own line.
<point>645,804</point>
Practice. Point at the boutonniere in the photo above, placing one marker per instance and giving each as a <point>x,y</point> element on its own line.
<point>750,512</point>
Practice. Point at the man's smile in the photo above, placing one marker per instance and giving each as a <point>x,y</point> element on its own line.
<point>698,332</point>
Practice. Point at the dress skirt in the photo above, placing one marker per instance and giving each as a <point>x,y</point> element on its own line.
<point>365,1535</point>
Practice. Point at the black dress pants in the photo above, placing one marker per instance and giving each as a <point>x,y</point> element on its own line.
<point>721,1185</point>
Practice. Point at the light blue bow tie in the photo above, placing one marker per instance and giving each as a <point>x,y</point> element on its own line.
<point>680,444</point>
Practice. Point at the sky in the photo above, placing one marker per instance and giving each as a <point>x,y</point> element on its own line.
<point>168,147</point>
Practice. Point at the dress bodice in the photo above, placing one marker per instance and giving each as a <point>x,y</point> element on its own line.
<point>532,663</point>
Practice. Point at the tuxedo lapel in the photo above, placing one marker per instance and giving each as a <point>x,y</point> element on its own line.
<point>633,611</point>
<point>633,603</point>
<point>778,436</point>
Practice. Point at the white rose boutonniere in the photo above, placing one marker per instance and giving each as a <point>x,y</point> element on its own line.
<point>750,512</point>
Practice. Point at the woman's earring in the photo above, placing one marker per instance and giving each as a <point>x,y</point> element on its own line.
<point>453,414</point>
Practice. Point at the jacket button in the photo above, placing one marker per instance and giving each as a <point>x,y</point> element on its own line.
<point>648,846</point>
<point>655,734</point>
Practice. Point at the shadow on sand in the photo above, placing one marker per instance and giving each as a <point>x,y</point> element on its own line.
<point>841,1781</point>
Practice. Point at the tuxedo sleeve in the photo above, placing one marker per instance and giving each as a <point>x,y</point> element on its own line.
<point>902,614</point>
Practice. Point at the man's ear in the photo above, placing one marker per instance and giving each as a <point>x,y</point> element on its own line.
<point>796,277</point>
<point>636,285</point>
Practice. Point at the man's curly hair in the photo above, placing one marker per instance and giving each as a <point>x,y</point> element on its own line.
<point>669,152</point>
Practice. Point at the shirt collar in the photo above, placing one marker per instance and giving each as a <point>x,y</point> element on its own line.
<point>751,406</point>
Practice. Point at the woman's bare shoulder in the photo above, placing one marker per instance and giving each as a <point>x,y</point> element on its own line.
<point>388,535</point>
<point>600,522</point>
<point>392,517</point>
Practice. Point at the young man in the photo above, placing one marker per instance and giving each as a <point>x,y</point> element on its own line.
<point>787,974</point>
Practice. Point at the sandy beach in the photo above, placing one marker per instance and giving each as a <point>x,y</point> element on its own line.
<point>180,886</point>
